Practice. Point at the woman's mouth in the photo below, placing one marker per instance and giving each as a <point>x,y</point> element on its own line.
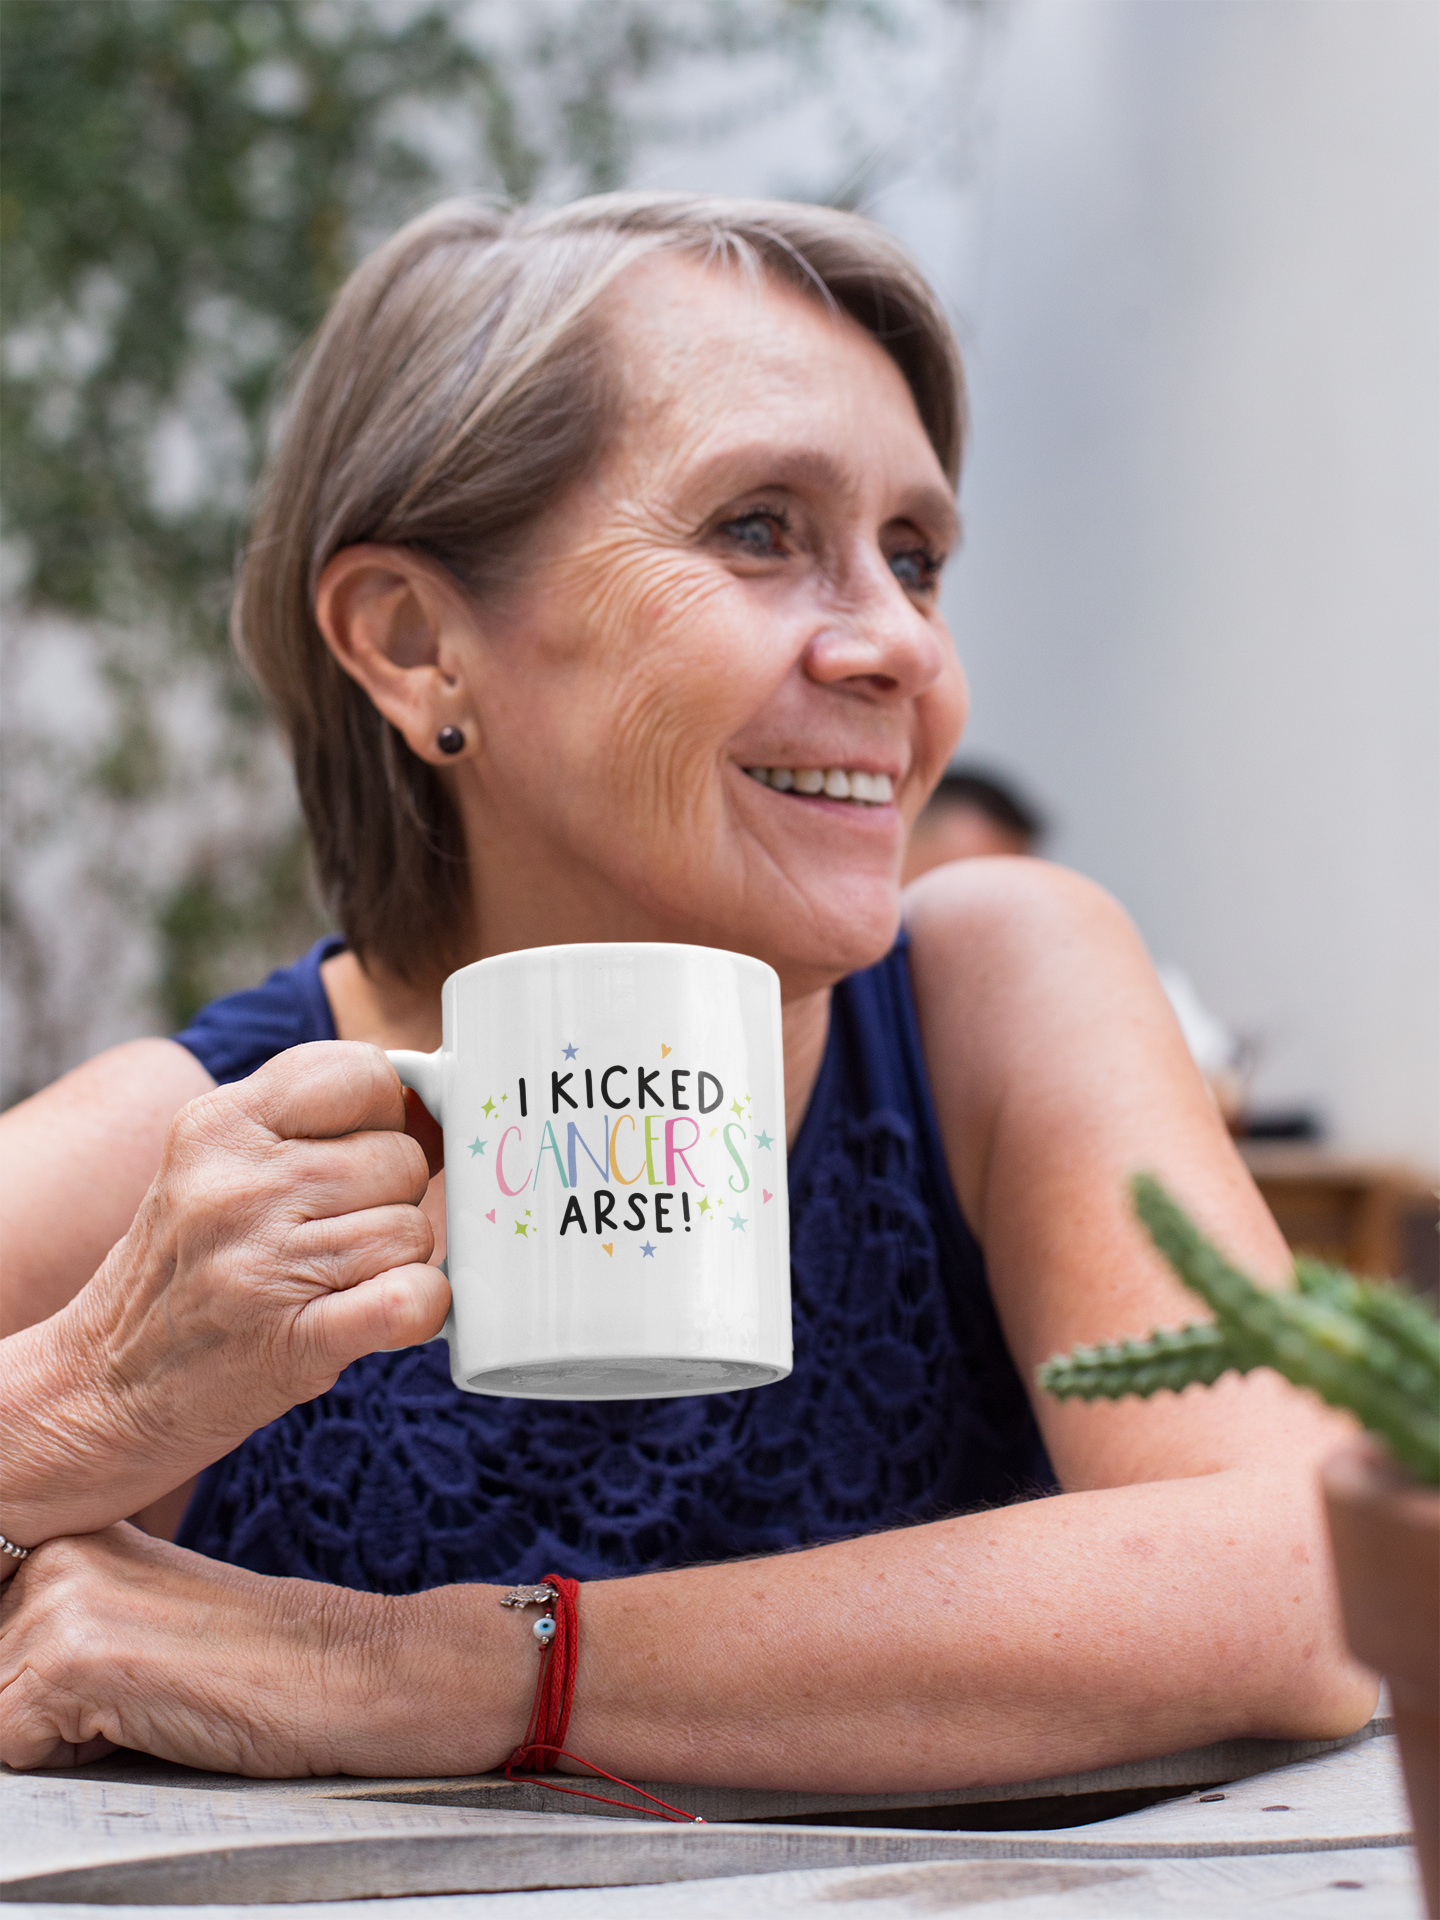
<point>833,783</point>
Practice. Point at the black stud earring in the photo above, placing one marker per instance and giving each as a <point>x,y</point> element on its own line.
<point>450,740</point>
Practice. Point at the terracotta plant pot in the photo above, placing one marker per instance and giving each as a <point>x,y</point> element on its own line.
<point>1386,1534</point>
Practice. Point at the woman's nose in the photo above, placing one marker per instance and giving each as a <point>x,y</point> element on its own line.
<point>876,637</point>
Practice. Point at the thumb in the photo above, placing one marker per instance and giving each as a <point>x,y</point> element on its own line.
<point>398,1308</point>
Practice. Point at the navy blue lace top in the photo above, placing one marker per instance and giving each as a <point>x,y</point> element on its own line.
<point>904,1404</point>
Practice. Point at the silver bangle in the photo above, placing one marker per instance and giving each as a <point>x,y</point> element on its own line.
<point>15,1553</point>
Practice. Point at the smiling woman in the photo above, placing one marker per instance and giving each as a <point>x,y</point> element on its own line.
<point>718,522</point>
<point>595,583</point>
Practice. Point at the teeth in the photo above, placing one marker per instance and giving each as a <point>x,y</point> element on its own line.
<point>870,789</point>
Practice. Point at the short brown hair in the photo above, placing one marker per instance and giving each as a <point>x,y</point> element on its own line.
<point>458,384</point>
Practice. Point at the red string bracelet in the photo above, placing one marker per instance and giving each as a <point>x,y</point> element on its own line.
<point>558,1633</point>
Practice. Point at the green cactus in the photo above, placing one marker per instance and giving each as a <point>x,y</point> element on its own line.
<point>1364,1345</point>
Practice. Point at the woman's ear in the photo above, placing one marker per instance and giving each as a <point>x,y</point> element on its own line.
<point>396,622</point>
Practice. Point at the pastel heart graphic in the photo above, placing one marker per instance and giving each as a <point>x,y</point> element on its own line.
<point>768,1196</point>
<point>664,1049</point>
<point>490,1216</point>
<point>609,1246</point>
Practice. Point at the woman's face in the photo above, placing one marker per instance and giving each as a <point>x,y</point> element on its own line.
<point>749,579</point>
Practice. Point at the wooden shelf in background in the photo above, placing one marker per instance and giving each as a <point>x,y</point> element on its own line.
<point>1375,1217</point>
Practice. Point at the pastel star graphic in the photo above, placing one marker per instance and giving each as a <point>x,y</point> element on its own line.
<point>763,1140</point>
<point>648,1251</point>
<point>737,1110</point>
<point>503,1098</point>
<point>736,1220</point>
<point>570,1052</point>
<point>704,1206</point>
<point>520,1227</point>
<point>477,1145</point>
<point>488,1108</point>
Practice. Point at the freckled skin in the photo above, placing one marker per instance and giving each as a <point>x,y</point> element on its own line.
<point>672,654</point>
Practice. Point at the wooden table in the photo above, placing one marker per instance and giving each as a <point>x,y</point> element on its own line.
<point>1295,1830</point>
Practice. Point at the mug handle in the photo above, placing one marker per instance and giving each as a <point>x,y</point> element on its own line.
<point>421,1073</point>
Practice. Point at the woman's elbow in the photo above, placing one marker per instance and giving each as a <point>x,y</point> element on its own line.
<point>1315,1689</point>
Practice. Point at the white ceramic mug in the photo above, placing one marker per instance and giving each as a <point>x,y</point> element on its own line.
<point>615,1198</point>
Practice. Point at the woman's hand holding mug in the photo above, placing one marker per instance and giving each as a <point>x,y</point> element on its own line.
<point>281,1240</point>
<point>616,1213</point>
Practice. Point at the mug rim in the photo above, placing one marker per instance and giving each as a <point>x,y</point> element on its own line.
<point>518,955</point>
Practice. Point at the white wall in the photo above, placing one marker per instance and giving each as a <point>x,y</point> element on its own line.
<point>1198,604</point>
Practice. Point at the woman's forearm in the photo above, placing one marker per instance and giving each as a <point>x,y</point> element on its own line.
<point>1035,1640</point>
<point>1038,1639</point>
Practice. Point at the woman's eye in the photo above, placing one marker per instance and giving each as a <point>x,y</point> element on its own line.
<point>916,570</point>
<point>757,534</point>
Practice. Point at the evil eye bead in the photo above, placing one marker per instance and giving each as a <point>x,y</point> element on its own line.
<point>544,1630</point>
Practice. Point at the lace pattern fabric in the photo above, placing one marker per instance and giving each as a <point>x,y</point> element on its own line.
<point>903,1404</point>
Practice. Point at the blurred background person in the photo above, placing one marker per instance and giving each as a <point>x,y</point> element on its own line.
<point>971,813</point>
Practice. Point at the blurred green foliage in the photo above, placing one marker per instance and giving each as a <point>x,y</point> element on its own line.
<point>179,185</point>
<point>184,184</point>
